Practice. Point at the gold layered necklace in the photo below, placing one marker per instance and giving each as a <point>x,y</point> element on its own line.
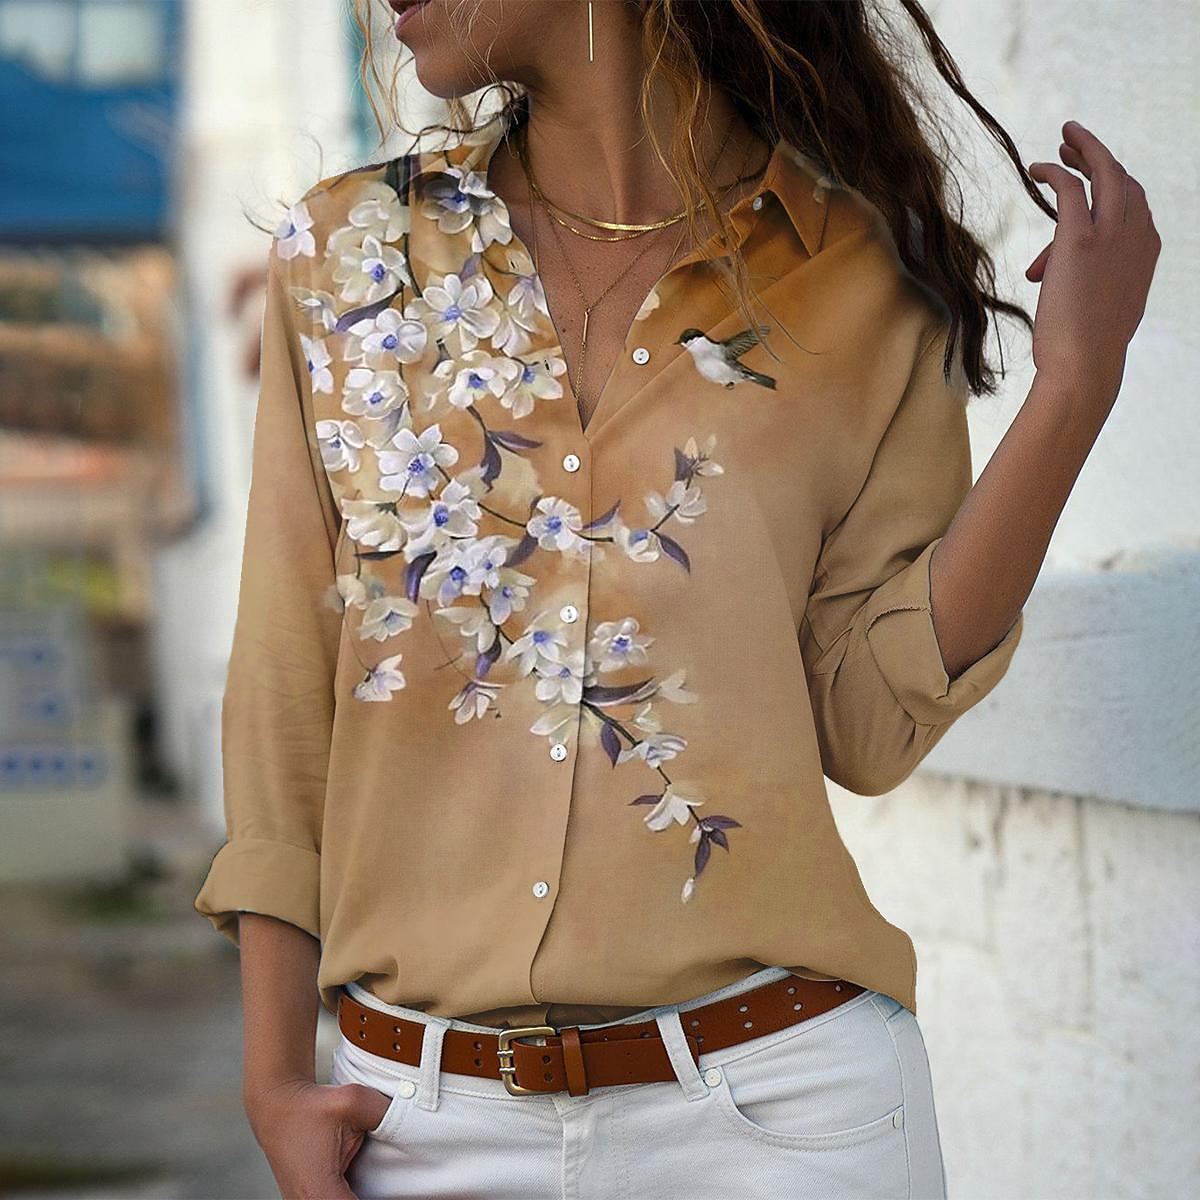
<point>632,231</point>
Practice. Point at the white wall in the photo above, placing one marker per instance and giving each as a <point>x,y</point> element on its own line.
<point>267,112</point>
<point>1057,929</point>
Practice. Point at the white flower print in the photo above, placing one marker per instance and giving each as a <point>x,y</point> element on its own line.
<point>534,381</point>
<point>556,723</point>
<point>318,305</point>
<point>474,375</point>
<point>473,623</point>
<point>382,680</point>
<point>412,467</point>
<point>474,700</point>
<point>373,525</point>
<point>617,644</point>
<point>386,616</point>
<point>293,235</point>
<point>462,200</point>
<point>386,339</point>
<point>556,525</point>
<point>655,749</point>
<point>683,502</point>
<point>353,590</point>
<point>373,393</point>
<point>639,543</point>
<point>675,807</point>
<point>561,681</point>
<point>463,568</point>
<point>370,272</point>
<point>509,594</point>
<point>672,689</point>
<point>701,461</point>
<point>341,443</point>
<point>540,645</point>
<point>457,310</point>
<point>380,213</point>
<point>317,357</point>
<point>454,513</point>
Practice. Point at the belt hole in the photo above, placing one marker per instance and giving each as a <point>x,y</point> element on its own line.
<point>837,987</point>
<point>644,1033</point>
<point>695,1024</point>
<point>545,1058</point>
<point>744,1008</point>
<point>792,990</point>
<point>748,1024</point>
<point>478,1045</point>
<point>396,1046</point>
<point>396,1029</point>
<point>362,1033</point>
<point>362,1018</point>
<point>699,1038</point>
<point>478,1063</point>
<point>797,1007</point>
<point>549,1077</point>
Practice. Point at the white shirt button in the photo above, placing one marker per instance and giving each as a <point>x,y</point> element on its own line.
<point>406,1088</point>
<point>756,203</point>
<point>571,462</point>
<point>541,889</point>
<point>641,355</point>
<point>569,613</point>
<point>712,1076</point>
<point>558,751</point>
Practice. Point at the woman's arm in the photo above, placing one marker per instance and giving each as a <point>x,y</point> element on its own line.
<point>309,1132</point>
<point>1095,276</point>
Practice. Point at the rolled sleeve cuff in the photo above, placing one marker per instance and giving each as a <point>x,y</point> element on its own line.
<point>900,633</point>
<point>276,879</point>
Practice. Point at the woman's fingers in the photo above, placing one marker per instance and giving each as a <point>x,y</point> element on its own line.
<point>1037,268</point>
<point>1073,211</point>
<point>1107,175</point>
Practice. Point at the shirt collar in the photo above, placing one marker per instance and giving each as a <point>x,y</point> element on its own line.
<point>796,180</point>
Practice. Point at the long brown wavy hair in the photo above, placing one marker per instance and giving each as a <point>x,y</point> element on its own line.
<point>832,77</point>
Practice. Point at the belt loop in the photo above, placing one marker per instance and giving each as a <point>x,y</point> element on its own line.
<point>428,1090</point>
<point>670,1027</point>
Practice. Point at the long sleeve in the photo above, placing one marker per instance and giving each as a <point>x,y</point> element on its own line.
<point>277,706</point>
<point>880,692</point>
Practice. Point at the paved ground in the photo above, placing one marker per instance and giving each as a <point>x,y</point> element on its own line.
<point>120,1038</point>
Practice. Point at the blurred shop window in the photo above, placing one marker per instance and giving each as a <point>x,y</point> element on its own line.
<point>98,42</point>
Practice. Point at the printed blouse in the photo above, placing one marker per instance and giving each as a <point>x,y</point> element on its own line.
<point>529,721</point>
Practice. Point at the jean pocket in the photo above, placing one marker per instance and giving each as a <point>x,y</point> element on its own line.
<point>836,1081</point>
<point>354,1065</point>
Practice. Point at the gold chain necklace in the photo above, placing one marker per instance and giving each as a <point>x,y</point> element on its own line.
<point>585,410</point>
<point>637,228</point>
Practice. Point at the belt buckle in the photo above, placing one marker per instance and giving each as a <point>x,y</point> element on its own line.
<point>508,1069</point>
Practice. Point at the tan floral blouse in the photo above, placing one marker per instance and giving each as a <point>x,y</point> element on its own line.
<point>529,722</point>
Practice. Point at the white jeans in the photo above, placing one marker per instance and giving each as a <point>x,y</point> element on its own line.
<point>836,1107</point>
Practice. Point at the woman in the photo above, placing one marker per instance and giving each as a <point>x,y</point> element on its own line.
<point>612,487</point>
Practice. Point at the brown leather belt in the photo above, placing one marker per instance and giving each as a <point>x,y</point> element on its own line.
<point>576,1060</point>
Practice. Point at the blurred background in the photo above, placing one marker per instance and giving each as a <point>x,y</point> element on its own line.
<point>1044,857</point>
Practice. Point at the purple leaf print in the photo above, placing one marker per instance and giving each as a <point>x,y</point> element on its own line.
<point>653,798</point>
<point>716,822</point>
<point>610,742</point>
<point>354,315</point>
<point>703,850</point>
<point>513,441</point>
<point>413,573</point>
<point>622,694</point>
<point>490,462</point>
<point>683,465</point>
<point>604,519</point>
<point>484,661</point>
<point>675,551</point>
<point>718,836</point>
<point>522,550</point>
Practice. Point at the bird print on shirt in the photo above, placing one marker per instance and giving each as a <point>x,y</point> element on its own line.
<point>718,361</point>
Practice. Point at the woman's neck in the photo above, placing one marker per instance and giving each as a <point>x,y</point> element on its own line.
<point>591,152</point>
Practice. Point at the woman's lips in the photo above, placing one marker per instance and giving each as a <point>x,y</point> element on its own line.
<point>404,10</point>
